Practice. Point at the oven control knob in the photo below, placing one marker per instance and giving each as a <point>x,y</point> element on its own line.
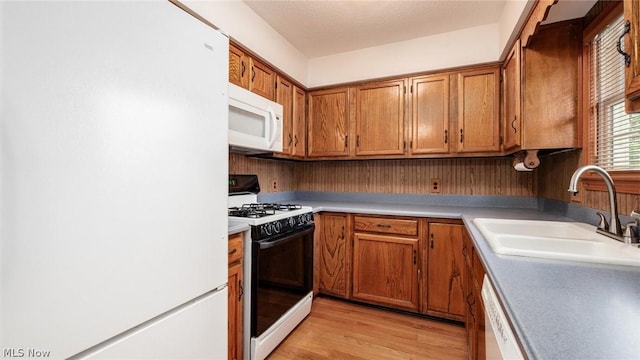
<point>267,229</point>
<point>292,222</point>
<point>277,227</point>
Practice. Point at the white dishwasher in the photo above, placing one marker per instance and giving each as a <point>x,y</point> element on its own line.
<point>499,339</point>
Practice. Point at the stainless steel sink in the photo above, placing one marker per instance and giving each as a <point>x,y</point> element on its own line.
<point>555,240</point>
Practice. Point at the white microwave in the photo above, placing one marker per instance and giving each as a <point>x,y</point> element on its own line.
<point>255,123</point>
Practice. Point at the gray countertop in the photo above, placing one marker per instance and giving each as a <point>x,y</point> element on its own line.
<point>236,227</point>
<point>558,309</point>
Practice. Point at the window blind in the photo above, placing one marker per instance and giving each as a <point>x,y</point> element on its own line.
<point>614,134</point>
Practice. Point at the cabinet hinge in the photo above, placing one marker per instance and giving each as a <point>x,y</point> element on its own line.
<point>411,89</point>
<point>414,257</point>
<point>501,77</point>
<point>501,140</point>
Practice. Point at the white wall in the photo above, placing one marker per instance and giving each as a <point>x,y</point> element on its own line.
<point>480,44</point>
<point>514,14</point>
<point>458,48</point>
<point>238,21</point>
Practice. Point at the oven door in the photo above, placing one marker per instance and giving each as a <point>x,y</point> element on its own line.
<point>282,275</point>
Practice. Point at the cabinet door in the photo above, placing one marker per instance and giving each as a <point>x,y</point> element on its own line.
<point>632,47</point>
<point>328,123</point>
<point>478,110</point>
<point>385,270</point>
<point>333,255</point>
<point>445,270</point>
<point>511,127</point>
<point>262,80</point>
<point>235,285</point>
<point>470,320</point>
<point>380,118</point>
<point>235,300</point>
<point>551,66</point>
<point>430,114</point>
<point>284,97</point>
<point>299,122</point>
<point>238,67</point>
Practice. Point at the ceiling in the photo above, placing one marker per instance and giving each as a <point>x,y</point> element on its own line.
<point>324,27</point>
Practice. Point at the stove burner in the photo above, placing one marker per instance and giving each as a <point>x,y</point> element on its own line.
<point>249,212</point>
<point>261,210</point>
<point>280,207</point>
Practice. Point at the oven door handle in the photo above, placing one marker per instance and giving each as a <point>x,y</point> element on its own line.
<point>266,244</point>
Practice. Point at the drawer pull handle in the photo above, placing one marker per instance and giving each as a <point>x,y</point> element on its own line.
<point>383,225</point>
<point>233,251</point>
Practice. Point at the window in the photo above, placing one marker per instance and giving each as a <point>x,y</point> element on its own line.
<point>614,136</point>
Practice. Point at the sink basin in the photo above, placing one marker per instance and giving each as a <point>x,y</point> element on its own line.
<point>555,240</point>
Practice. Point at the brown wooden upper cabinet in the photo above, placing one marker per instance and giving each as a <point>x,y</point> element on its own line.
<point>328,123</point>
<point>299,122</point>
<point>251,74</point>
<point>284,97</point>
<point>430,114</point>
<point>511,101</point>
<point>478,101</point>
<point>550,88</point>
<point>632,47</point>
<point>380,118</point>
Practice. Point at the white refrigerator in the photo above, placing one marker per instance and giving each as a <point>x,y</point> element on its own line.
<point>113,141</point>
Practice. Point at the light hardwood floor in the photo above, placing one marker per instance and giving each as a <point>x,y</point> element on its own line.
<point>341,330</point>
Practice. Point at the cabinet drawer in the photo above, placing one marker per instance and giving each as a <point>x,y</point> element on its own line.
<point>235,247</point>
<point>386,225</point>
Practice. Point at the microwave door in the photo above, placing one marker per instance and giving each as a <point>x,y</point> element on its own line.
<point>249,126</point>
<point>275,131</point>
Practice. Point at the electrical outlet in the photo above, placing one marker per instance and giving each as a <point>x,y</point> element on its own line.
<point>435,185</point>
<point>274,185</point>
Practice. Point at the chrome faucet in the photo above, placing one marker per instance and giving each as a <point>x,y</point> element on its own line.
<point>614,226</point>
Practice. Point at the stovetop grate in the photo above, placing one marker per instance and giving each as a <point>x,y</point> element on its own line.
<point>261,210</point>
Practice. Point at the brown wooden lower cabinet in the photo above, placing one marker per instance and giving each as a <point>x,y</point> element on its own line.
<point>474,314</point>
<point>385,270</point>
<point>333,252</point>
<point>445,270</point>
<point>236,291</point>
<point>390,261</point>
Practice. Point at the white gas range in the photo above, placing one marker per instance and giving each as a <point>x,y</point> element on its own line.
<point>278,265</point>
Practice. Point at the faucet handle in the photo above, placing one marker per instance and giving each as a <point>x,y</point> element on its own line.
<point>632,233</point>
<point>635,214</point>
<point>602,224</point>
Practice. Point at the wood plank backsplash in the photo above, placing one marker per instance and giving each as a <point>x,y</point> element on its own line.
<point>461,176</point>
<point>457,176</point>
<point>553,181</point>
<point>267,171</point>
